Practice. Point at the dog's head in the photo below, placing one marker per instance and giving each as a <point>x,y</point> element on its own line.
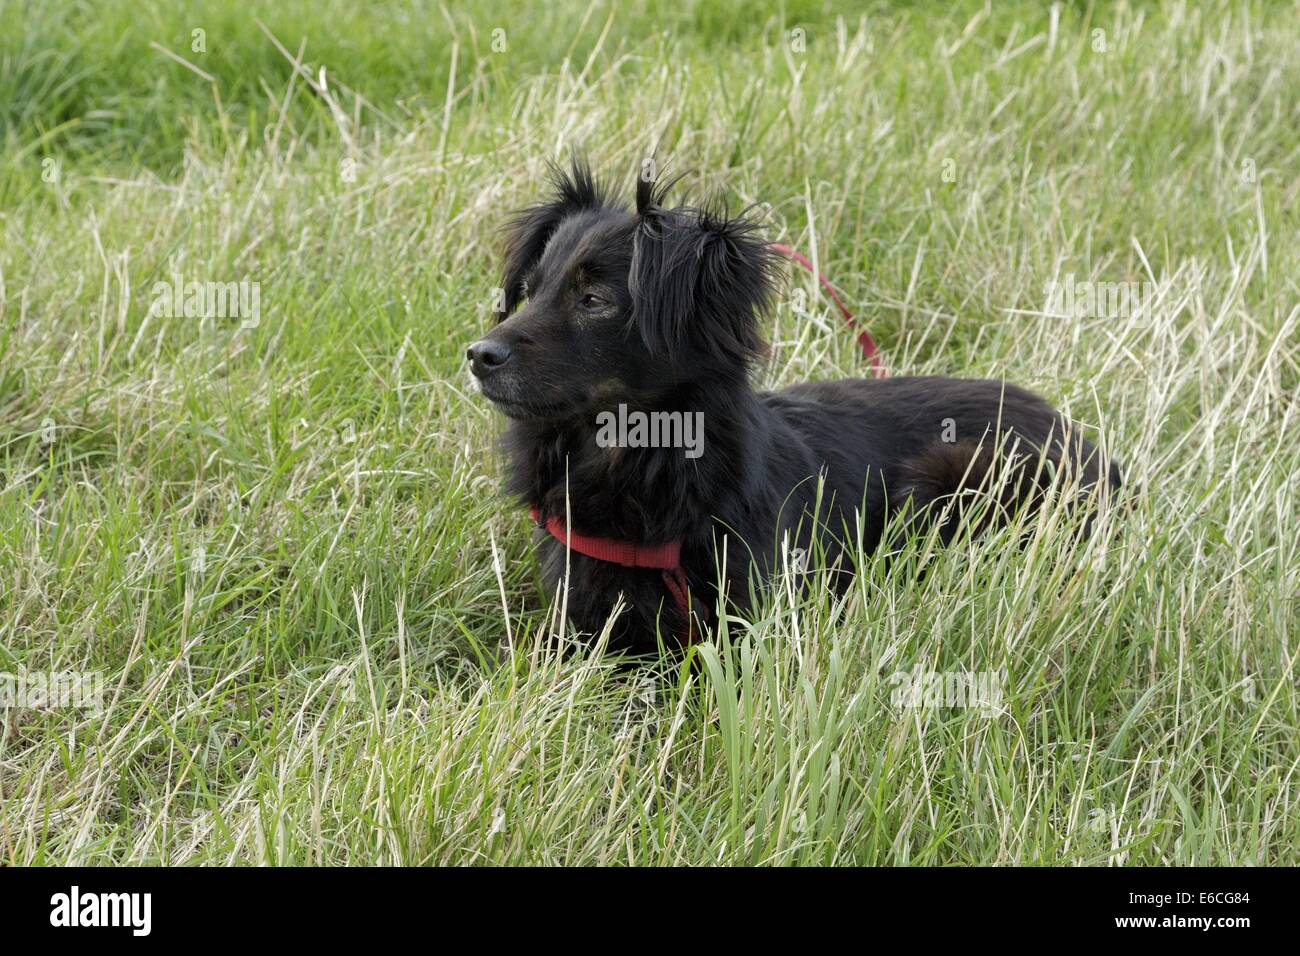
<point>603,305</point>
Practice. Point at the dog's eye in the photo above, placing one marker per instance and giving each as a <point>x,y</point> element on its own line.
<point>592,301</point>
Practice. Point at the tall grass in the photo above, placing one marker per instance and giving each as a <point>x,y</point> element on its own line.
<point>285,549</point>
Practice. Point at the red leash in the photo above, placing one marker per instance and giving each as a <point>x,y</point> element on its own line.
<point>870,351</point>
<point>667,557</point>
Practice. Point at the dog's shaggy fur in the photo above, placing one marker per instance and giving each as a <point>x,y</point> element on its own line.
<point>659,309</point>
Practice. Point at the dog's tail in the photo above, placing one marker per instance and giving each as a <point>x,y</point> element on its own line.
<point>980,484</point>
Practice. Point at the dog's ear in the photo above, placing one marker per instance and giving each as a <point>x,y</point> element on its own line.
<point>701,280</point>
<point>531,228</point>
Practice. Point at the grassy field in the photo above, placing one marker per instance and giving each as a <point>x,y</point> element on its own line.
<point>281,543</point>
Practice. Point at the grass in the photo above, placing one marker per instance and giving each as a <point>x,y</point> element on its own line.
<point>285,550</point>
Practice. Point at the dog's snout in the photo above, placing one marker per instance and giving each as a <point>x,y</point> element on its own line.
<point>487,355</point>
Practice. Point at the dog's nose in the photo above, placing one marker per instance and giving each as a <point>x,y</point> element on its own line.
<point>486,356</point>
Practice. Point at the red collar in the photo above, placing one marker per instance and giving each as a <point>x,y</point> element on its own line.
<point>666,557</point>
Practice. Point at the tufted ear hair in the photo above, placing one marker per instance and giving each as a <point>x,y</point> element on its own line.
<point>700,279</point>
<point>529,229</point>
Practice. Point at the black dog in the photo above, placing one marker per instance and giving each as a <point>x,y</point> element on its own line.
<point>658,311</point>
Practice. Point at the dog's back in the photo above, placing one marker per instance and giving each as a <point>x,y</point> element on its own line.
<point>916,442</point>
